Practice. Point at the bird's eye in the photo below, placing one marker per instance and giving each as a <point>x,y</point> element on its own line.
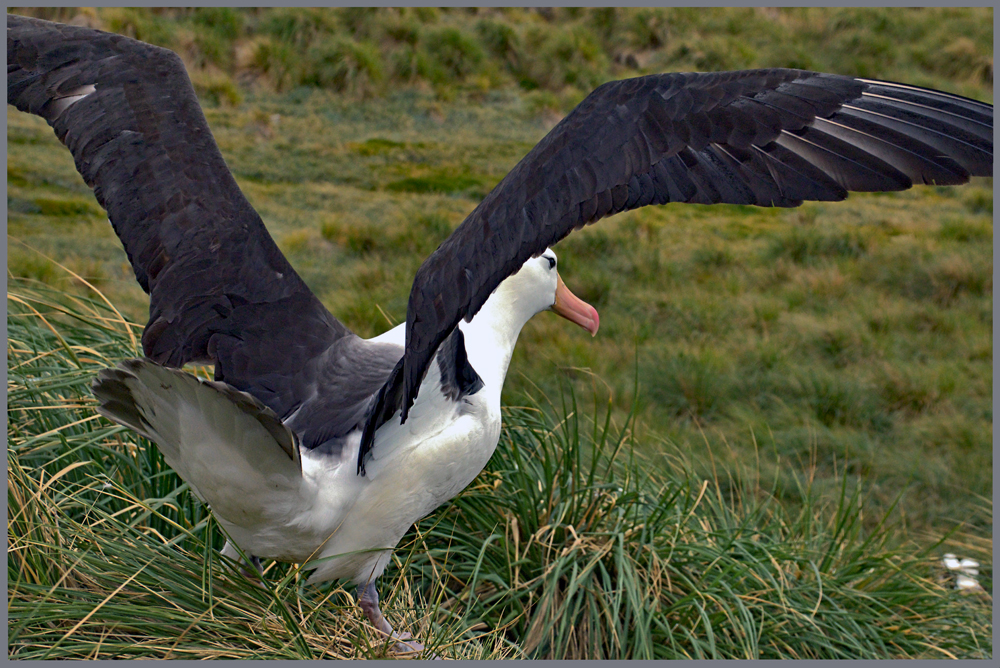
<point>552,261</point>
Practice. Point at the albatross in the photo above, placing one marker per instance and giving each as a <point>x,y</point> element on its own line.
<point>315,446</point>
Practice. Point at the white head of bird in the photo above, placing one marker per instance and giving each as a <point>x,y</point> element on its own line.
<point>536,287</point>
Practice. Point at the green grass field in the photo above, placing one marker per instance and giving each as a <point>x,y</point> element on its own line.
<point>793,358</point>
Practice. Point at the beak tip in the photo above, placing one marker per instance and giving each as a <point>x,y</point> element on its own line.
<point>576,310</point>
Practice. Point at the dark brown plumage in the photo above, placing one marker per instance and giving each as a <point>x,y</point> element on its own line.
<point>220,290</point>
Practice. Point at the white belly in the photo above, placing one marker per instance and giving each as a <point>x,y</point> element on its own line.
<point>400,489</point>
<point>346,524</point>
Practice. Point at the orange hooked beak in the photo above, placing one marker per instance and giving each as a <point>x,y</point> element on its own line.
<point>575,309</point>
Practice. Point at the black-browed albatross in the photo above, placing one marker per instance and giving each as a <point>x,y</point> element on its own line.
<point>312,442</point>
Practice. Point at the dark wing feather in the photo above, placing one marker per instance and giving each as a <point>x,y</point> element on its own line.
<point>764,137</point>
<point>220,290</point>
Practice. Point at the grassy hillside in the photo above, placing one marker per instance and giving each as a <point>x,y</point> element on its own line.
<point>830,345</point>
<point>560,54</point>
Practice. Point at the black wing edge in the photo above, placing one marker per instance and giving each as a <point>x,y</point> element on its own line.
<point>458,380</point>
<point>387,402</point>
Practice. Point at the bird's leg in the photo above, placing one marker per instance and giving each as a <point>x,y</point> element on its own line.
<point>368,602</point>
<point>258,570</point>
<point>229,550</point>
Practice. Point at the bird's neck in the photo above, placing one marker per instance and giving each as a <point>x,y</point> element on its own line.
<point>491,335</point>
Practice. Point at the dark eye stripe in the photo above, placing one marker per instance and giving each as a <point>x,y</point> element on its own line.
<point>552,261</point>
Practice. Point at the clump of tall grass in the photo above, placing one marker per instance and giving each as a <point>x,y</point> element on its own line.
<point>344,65</point>
<point>569,545</point>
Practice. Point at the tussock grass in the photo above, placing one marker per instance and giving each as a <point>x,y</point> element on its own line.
<point>571,544</point>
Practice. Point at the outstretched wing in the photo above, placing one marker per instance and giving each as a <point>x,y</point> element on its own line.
<point>220,290</point>
<point>764,137</point>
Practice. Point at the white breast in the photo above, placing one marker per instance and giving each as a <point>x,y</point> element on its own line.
<point>415,467</point>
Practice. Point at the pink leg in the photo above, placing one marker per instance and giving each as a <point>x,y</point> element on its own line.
<point>368,601</point>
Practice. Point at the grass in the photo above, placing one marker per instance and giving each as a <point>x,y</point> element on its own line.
<point>564,52</point>
<point>849,344</point>
<point>571,544</point>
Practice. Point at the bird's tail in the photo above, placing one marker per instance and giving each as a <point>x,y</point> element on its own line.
<point>233,451</point>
